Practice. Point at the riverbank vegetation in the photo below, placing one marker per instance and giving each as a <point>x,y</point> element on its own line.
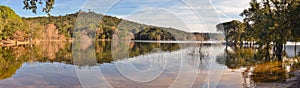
<point>258,43</point>
<point>267,23</point>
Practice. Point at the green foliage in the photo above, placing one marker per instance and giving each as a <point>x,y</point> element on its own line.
<point>154,34</point>
<point>272,20</point>
<point>32,5</point>
<point>233,30</point>
<point>9,63</point>
<point>106,27</point>
<point>267,21</point>
<point>10,22</point>
<point>294,17</point>
<point>93,25</point>
<point>64,24</point>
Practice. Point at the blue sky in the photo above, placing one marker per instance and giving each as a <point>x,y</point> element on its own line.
<point>196,15</point>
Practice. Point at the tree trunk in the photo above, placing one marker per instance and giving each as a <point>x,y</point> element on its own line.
<point>235,44</point>
<point>226,40</point>
<point>268,53</point>
<point>295,50</point>
<point>251,44</point>
<point>241,44</point>
<point>284,48</point>
<point>278,52</point>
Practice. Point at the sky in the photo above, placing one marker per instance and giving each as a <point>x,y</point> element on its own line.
<point>186,15</point>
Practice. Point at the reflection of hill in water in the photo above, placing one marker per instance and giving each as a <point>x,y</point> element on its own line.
<point>104,50</point>
<point>10,63</point>
<point>12,58</point>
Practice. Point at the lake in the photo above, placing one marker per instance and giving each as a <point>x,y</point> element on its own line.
<point>139,65</point>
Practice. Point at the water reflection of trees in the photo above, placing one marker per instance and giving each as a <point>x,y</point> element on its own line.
<point>12,58</point>
<point>104,50</point>
<point>199,56</point>
<point>145,48</point>
<point>256,67</point>
<point>9,63</point>
<point>199,53</point>
<point>239,58</point>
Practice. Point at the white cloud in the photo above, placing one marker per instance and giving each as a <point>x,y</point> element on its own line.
<point>158,17</point>
<point>231,8</point>
<point>209,13</point>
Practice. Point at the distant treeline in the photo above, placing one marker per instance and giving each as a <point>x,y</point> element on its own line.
<point>94,25</point>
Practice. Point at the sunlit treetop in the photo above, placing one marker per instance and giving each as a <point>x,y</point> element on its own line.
<point>32,5</point>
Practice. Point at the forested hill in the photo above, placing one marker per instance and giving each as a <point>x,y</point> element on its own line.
<point>96,25</point>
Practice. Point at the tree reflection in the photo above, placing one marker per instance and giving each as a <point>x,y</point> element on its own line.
<point>200,53</point>
<point>237,58</point>
<point>256,66</point>
<point>12,58</point>
<point>9,63</point>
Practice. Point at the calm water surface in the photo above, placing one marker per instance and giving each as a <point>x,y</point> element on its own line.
<point>138,65</point>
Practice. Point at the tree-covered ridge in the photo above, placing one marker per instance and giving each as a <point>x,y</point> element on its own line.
<point>94,25</point>
<point>10,23</point>
<point>107,27</point>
